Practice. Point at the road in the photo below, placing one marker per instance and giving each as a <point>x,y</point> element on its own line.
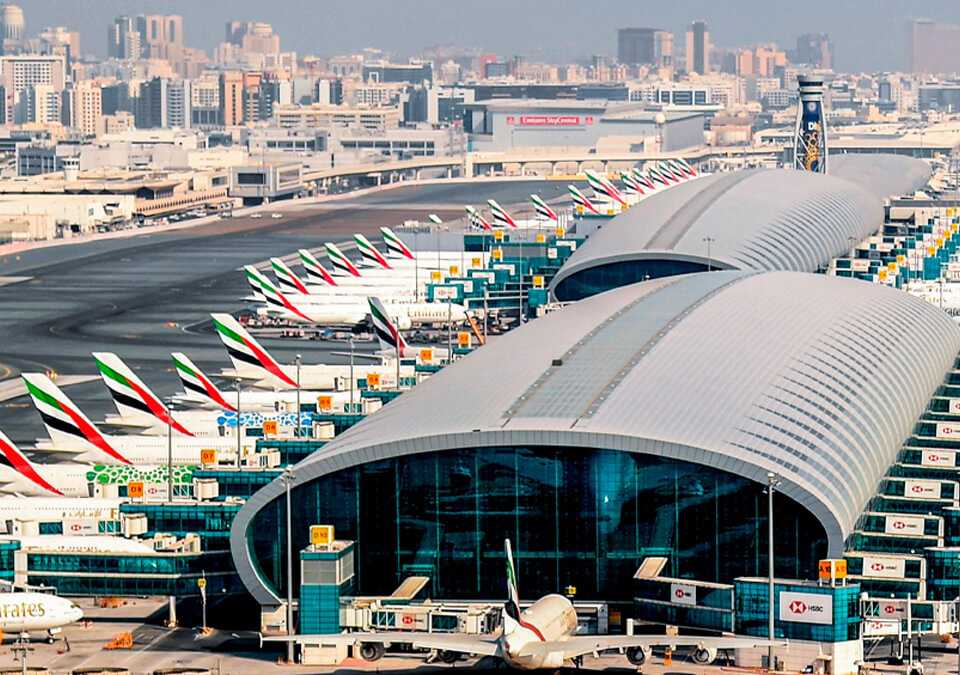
<point>143,297</point>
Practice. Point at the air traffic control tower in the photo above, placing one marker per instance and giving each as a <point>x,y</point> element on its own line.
<point>810,138</point>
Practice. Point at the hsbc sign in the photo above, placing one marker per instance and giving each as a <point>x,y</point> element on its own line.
<point>948,430</point>
<point>912,525</point>
<point>889,568</point>
<point>683,594</point>
<point>921,489</point>
<point>806,608</point>
<point>938,458</point>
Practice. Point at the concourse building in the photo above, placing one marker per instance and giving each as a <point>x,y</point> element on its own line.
<point>638,423</point>
<point>761,219</point>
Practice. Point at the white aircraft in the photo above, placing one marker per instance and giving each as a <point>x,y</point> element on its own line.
<point>292,285</point>
<point>351,311</point>
<point>253,364</point>
<point>20,476</point>
<point>199,391</point>
<point>73,434</point>
<point>21,613</point>
<point>56,509</point>
<point>544,635</point>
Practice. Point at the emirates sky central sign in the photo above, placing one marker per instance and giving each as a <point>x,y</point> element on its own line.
<point>806,608</point>
<point>549,120</point>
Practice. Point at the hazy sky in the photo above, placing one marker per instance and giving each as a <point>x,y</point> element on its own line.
<point>867,34</point>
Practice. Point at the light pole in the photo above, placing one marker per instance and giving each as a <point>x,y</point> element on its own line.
<point>709,241</point>
<point>239,425</point>
<point>772,483</point>
<point>296,429</point>
<point>288,480</point>
<point>169,457</point>
<point>350,402</point>
<point>449,332</point>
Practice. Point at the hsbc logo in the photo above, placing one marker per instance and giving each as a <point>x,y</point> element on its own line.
<point>798,607</point>
<point>679,593</point>
<point>916,489</point>
<point>933,458</point>
<point>76,527</point>
<point>878,567</point>
<point>946,430</point>
<point>889,609</point>
<point>806,607</point>
<point>899,525</point>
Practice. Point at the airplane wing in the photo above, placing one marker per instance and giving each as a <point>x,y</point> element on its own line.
<point>594,644</point>
<point>370,356</point>
<point>482,645</point>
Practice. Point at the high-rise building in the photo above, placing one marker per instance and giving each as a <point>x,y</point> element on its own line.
<point>932,47</point>
<point>329,92</point>
<point>698,48</point>
<point>38,103</point>
<point>123,39</point>
<point>165,103</point>
<point>663,49</point>
<point>231,99</point>
<point>161,36</point>
<point>59,40</point>
<point>18,73</point>
<point>815,49</point>
<point>85,104</point>
<point>11,22</point>
<point>635,46</point>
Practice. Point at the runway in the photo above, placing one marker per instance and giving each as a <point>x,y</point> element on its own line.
<point>135,296</point>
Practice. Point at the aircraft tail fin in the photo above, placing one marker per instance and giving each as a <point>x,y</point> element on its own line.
<point>288,281</point>
<point>511,614</point>
<point>65,422</point>
<point>23,466</point>
<point>387,332</point>
<point>370,253</point>
<point>340,262</point>
<point>542,209</point>
<point>196,381</point>
<point>132,397</point>
<point>316,273</point>
<point>395,246</point>
<point>500,215</point>
<point>581,200</point>
<point>246,353</point>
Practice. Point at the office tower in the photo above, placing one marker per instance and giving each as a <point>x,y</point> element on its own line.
<point>18,73</point>
<point>123,39</point>
<point>663,49</point>
<point>329,92</point>
<point>815,49</point>
<point>636,46</point>
<point>932,47</point>
<point>698,48</point>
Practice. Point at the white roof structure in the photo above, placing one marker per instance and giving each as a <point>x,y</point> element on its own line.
<point>744,372</point>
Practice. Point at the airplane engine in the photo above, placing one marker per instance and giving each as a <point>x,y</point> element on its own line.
<point>637,655</point>
<point>372,651</point>
<point>704,655</point>
<point>447,656</point>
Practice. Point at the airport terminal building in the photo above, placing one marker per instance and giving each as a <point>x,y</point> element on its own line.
<point>638,423</point>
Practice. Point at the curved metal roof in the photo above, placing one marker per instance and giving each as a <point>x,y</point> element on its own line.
<point>760,219</point>
<point>883,174</point>
<point>745,372</point>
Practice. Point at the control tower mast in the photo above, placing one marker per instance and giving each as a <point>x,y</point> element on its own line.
<point>810,137</point>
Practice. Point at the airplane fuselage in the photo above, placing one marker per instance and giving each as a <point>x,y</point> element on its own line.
<point>24,612</point>
<point>552,618</point>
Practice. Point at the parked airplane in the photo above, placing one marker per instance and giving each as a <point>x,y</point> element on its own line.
<point>20,476</point>
<point>543,636</point>
<point>335,290</point>
<point>543,211</point>
<point>253,364</point>
<point>200,391</point>
<point>72,434</point>
<point>21,613</point>
<point>603,186</point>
<point>476,218</point>
<point>350,311</point>
<point>579,199</point>
<point>500,216</point>
<point>55,509</point>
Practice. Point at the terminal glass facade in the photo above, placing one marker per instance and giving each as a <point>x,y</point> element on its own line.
<point>603,278</point>
<point>576,516</point>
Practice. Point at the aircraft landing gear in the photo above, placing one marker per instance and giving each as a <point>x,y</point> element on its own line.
<point>578,662</point>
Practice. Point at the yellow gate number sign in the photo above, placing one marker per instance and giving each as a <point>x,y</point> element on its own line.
<point>325,402</point>
<point>321,535</point>
<point>208,456</point>
<point>463,339</point>
<point>202,583</point>
<point>135,490</point>
<point>373,379</point>
<point>270,427</point>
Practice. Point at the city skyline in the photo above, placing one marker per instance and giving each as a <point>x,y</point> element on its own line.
<point>873,41</point>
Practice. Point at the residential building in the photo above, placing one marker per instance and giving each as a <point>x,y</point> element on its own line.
<point>932,47</point>
<point>815,49</point>
<point>123,39</point>
<point>320,115</point>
